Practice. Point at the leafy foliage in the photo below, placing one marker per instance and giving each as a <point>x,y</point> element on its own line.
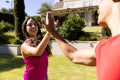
<point>5,27</point>
<point>71,29</point>
<point>19,16</point>
<point>6,17</point>
<point>44,8</point>
<point>4,10</point>
<point>38,19</point>
<point>106,32</point>
<point>7,34</point>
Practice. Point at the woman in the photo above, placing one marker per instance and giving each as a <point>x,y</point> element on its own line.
<point>35,51</point>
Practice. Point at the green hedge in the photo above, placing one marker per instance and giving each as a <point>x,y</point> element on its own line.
<point>7,18</point>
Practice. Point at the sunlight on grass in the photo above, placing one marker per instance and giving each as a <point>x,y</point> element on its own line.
<point>92,29</point>
<point>11,67</point>
<point>60,68</point>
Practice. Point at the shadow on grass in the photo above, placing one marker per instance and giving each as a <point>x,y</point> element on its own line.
<point>8,62</point>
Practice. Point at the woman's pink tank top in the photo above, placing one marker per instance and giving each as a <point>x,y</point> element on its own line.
<point>36,67</point>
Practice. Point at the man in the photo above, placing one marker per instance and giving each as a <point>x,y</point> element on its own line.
<point>106,54</point>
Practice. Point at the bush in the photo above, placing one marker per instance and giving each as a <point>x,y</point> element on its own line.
<point>7,18</point>
<point>7,35</point>
<point>38,19</point>
<point>5,27</point>
<point>16,41</point>
<point>4,39</point>
<point>71,29</point>
<point>106,32</point>
<point>9,39</point>
<point>95,37</point>
<point>90,37</point>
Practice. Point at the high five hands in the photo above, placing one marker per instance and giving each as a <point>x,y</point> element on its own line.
<point>50,24</point>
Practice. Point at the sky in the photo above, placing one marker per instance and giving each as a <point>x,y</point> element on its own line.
<point>31,6</point>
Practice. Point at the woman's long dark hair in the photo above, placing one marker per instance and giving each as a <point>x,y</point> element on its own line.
<point>39,34</point>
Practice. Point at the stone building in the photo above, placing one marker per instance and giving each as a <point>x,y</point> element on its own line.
<point>86,9</point>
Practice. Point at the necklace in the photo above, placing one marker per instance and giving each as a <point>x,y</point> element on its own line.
<point>34,42</point>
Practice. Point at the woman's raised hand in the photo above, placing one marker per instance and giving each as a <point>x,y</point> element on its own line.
<point>50,24</point>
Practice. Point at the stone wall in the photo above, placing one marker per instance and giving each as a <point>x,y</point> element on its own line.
<point>16,50</point>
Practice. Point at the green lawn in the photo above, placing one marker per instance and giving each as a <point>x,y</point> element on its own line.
<point>93,29</point>
<point>60,68</point>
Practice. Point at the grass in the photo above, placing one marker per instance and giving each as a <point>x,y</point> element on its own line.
<point>93,29</point>
<point>11,67</point>
<point>96,29</point>
<point>60,68</point>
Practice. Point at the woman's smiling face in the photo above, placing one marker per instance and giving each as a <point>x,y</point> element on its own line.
<point>31,27</point>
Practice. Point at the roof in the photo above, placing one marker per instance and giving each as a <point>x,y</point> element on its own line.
<point>58,5</point>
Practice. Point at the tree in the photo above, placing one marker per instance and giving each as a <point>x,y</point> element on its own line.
<point>71,29</point>
<point>6,17</point>
<point>19,16</point>
<point>44,8</point>
<point>4,10</point>
<point>38,19</point>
